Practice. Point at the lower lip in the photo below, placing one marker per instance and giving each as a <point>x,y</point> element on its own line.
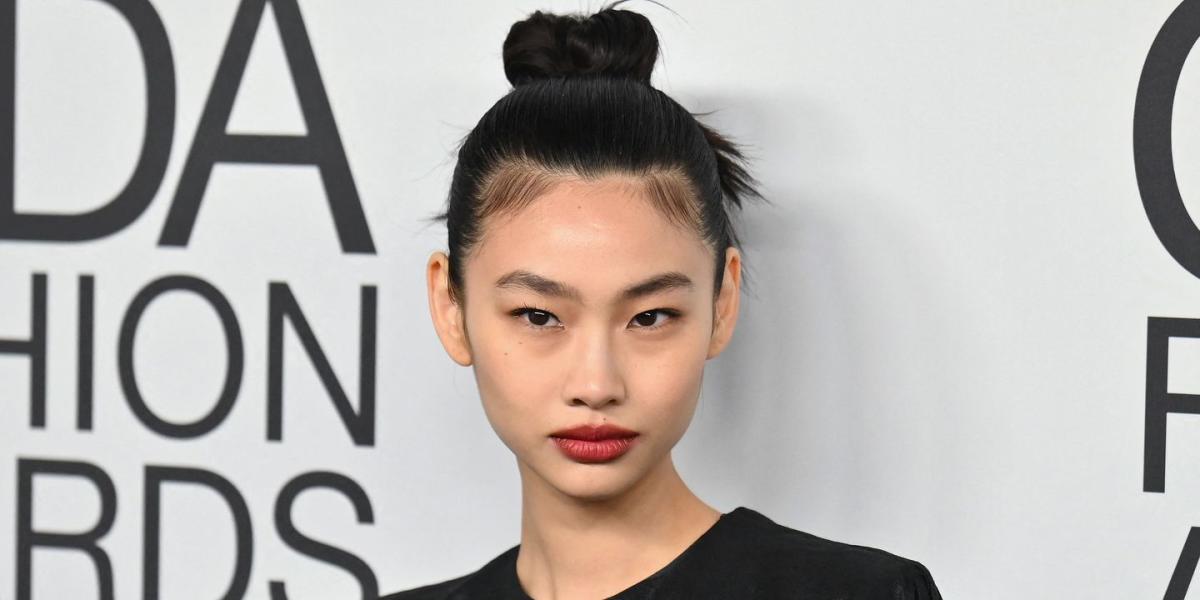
<point>594,451</point>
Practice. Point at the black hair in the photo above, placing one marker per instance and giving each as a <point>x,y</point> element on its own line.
<point>582,104</point>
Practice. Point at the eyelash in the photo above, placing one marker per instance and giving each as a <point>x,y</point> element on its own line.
<point>524,310</point>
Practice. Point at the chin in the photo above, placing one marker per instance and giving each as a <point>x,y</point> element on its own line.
<point>595,490</point>
<point>590,482</point>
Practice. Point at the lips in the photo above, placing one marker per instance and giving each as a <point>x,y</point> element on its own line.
<point>590,444</point>
<point>593,432</point>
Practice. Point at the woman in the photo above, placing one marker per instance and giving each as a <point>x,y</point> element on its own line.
<point>592,271</point>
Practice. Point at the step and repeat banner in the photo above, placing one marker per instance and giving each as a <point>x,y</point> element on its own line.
<point>972,336</point>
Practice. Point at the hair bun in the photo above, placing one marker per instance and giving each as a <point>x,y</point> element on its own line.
<point>619,43</point>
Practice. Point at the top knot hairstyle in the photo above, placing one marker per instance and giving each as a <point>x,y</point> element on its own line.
<point>612,42</point>
<point>582,106</point>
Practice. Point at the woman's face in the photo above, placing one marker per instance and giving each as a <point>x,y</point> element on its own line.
<point>587,307</point>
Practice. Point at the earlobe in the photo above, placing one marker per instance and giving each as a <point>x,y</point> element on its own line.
<point>448,317</point>
<point>727,303</point>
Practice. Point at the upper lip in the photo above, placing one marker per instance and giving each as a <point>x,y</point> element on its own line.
<point>594,432</point>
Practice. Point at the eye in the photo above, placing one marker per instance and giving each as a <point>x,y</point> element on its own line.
<point>536,318</point>
<point>651,319</point>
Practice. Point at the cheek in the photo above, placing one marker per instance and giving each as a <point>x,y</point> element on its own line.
<point>668,382</point>
<point>512,386</point>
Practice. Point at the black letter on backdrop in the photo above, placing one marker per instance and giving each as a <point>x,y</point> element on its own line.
<point>156,141</point>
<point>321,146</point>
<point>155,476</point>
<point>1152,157</point>
<point>318,550</point>
<point>1160,402</point>
<point>361,425</point>
<point>84,351</point>
<point>35,349</point>
<point>1181,578</point>
<point>233,352</point>
<point>86,541</point>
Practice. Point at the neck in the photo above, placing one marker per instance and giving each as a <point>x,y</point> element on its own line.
<point>573,548</point>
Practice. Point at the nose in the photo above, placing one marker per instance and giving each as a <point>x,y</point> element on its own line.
<point>594,374</point>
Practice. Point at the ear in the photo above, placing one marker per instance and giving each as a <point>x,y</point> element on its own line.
<point>448,317</point>
<point>725,310</point>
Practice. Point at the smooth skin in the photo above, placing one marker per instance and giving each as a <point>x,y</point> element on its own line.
<point>548,357</point>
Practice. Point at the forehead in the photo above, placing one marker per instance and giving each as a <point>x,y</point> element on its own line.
<point>598,234</point>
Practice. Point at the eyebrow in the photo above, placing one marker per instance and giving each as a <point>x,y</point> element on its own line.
<point>521,279</point>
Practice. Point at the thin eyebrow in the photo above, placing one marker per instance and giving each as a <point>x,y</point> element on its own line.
<point>521,279</point>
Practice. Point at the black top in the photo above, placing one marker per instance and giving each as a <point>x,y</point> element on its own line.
<point>743,555</point>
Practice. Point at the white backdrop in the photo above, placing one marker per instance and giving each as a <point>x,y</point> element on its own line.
<point>944,353</point>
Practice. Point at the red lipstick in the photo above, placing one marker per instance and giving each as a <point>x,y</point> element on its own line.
<point>591,444</point>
